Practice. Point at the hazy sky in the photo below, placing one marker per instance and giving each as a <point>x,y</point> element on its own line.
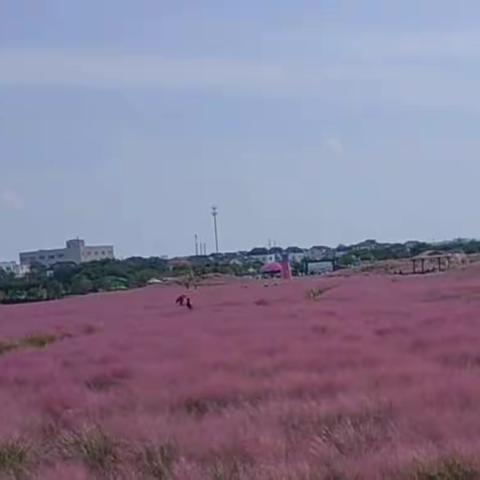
<point>307,122</point>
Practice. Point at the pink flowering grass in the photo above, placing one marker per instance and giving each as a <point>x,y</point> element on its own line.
<point>366,377</point>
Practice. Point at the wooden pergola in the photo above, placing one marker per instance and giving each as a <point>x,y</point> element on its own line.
<point>442,260</point>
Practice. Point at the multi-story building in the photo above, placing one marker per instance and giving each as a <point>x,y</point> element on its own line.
<point>76,251</point>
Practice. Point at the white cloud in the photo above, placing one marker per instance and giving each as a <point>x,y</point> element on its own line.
<point>11,199</point>
<point>45,67</point>
<point>369,72</point>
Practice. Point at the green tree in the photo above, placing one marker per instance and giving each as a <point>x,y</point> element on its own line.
<point>54,289</point>
<point>111,283</point>
<point>81,285</point>
<point>143,276</point>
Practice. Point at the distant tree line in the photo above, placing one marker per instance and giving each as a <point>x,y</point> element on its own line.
<point>64,279</point>
<point>71,279</point>
<point>396,251</point>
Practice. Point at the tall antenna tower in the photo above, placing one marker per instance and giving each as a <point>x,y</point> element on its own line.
<point>196,245</point>
<point>214,215</point>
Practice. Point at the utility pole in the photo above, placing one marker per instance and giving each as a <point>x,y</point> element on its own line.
<point>214,215</point>
<point>196,245</point>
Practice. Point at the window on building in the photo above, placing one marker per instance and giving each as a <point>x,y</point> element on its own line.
<point>51,256</point>
<point>103,253</point>
<point>42,257</point>
<point>61,255</point>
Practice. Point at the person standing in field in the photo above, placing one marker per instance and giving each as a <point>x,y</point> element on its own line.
<point>180,300</point>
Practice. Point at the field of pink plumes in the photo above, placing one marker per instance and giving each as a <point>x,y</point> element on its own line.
<point>367,377</point>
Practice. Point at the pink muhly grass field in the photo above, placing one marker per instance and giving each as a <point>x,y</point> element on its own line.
<point>366,377</point>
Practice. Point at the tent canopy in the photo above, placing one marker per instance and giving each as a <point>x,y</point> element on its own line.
<point>273,267</point>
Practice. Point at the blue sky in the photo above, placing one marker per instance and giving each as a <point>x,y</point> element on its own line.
<point>306,122</point>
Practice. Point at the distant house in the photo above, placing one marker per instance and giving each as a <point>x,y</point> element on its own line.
<point>341,251</point>
<point>278,252</point>
<point>319,252</point>
<point>295,254</point>
<point>261,255</point>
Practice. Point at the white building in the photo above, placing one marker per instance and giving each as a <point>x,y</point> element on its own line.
<point>267,258</point>
<point>261,255</point>
<point>320,267</point>
<point>15,268</point>
<point>76,251</point>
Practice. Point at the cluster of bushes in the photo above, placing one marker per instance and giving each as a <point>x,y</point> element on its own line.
<point>71,279</point>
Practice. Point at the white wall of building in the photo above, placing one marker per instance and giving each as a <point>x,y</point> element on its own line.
<point>89,254</point>
<point>265,258</point>
<point>76,251</point>
<point>319,268</point>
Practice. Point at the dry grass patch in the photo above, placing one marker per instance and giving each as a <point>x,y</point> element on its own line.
<point>315,293</point>
<point>349,434</point>
<point>201,406</point>
<point>6,347</point>
<point>355,434</point>
<point>231,464</point>
<point>94,448</point>
<point>156,462</point>
<point>37,340</point>
<point>101,383</point>
<point>446,469</point>
<point>14,459</point>
<point>90,329</point>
